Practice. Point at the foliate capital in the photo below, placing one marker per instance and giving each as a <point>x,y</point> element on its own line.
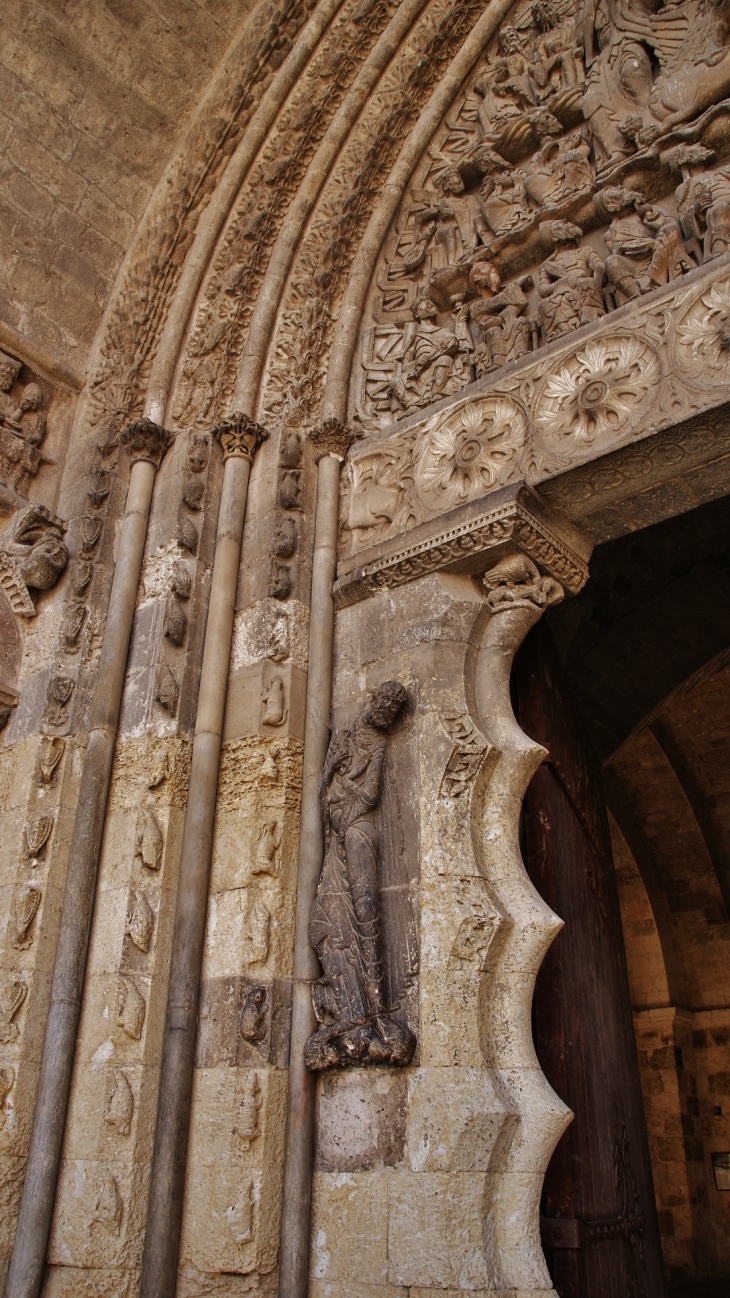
<point>146,440</point>
<point>331,437</point>
<point>239,437</point>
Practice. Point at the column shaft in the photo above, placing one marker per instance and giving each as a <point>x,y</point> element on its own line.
<point>36,1210</point>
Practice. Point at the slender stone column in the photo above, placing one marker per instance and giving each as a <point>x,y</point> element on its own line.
<point>331,441</point>
<point>147,444</point>
<point>239,436</point>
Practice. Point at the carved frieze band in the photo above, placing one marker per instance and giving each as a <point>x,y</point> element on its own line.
<point>509,522</point>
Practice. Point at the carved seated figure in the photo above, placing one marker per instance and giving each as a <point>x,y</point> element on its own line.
<point>499,330</point>
<point>669,260</point>
<point>558,60</point>
<point>630,244</point>
<point>431,366</point>
<point>357,1025</point>
<point>571,282</point>
<point>21,436</point>
<point>703,203</point>
<point>503,203</point>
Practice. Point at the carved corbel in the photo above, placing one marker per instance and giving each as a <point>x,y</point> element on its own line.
<point>331,437</point>
<point>147,441</point>
<point>240,437</point>
<point>33,554</point>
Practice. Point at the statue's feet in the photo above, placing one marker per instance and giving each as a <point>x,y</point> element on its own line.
<point>385,1041</point>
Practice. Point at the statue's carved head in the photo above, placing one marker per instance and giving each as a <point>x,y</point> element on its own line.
<point>386,702</point>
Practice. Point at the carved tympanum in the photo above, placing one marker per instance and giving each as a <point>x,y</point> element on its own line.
<point>358,1018</point>
<point>520,226</point>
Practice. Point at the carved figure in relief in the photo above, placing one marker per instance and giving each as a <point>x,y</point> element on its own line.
<point>273,699</point>
<point>22,429</point>
<point>557,62</point>
<point>7,1077</point>
<point>669,260</point>
<point>257,932</point>
<point>253,1015</point>
<point>265,858</point>
<point>36,548</point>
<point>500,332</point>
<point>703,202</point>
<point>247,1119</point>
<point>131,1008</point>
<point>240,1215</point>
<point>503,203</point>
<point>12,995</point>
<point>149,841</point>
<point>119,1108</point>
<point>108,1206</point>
<point>9,371</point>
<point>27,901</point>
<point>571,282</point>
<point>630,244</point>
<point>357,1022</point>
<point>140,920</point>
<point>431,366</point>
<point>515,582</point>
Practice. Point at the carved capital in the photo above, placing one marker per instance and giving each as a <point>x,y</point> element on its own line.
<point>33,554</point>
<point>331,437</point>
<point>146,440</point>
<point>515,582</point>
<point>240,437</point>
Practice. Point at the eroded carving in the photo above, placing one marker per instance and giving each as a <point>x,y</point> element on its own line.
<point>176,622</point>
<point>266,850</point>
<point>27,901</point>
<point>515,582</point>
<point>359,1023</point>
<point>253,1015</point>
<point>168,690</point>
<point>7,1078</point>
<point>131,1007</point>
<point>240,1215</point>
<point>274,707</point>
<point>149,841</point>
<point>140,920</point>
<point>12,995</point>
<point>108,1207</point>
<point>248,1108</point>
<point>33,554</point>
<point>257,932</point>
<point>119,1109</point>
<point>60,689</point>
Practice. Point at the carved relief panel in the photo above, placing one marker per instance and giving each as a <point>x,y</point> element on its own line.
<point>583,167</point>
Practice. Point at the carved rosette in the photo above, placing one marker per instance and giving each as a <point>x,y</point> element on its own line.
<point>703,337</point>
<point>598,394</point>
<point>146,441</point>
<point>331,437</point>
<point>240,437</point>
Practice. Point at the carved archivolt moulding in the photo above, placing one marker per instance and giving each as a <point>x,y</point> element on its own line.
<point>465,539</point>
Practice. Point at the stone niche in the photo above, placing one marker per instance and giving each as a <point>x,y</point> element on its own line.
<point>429,1175</point>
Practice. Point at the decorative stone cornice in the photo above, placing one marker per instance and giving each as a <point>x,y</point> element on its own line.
<point>469,539</point>
<point>331,437</point>
<point>240,437</point>
<point>145,440</point>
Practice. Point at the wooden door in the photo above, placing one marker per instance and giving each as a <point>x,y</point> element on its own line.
<point>599,1223</point>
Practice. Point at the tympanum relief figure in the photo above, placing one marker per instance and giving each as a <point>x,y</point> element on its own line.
<point>22,427</point>
<point>354,999</point>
